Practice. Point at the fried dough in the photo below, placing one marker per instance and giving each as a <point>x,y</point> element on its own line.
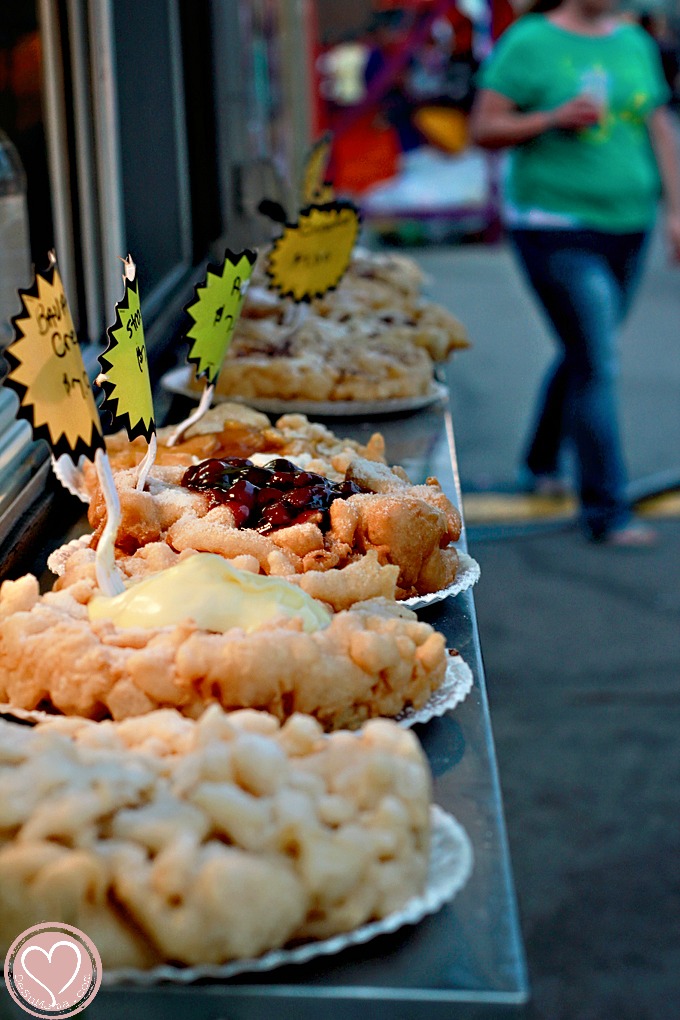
<point>201,842</point>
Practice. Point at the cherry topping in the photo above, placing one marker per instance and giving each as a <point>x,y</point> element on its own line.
<point>212,474</point>
<point>259,476</point>
<point>307,478</point>
<point>276,515</point>
<point>270,497</point>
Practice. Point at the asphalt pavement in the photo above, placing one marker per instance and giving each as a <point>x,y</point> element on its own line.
<point>582,652</point>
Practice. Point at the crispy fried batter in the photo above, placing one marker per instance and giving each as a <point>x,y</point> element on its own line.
<point>408,526</point>
<point>403,530</point>
<point>234,430</point>
<point>323,361</point>
<point>200,842</point>
<point>371,660</point>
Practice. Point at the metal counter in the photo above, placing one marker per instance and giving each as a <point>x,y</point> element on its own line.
<point>466,961</point>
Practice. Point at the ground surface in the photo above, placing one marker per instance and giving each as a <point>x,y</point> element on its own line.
<point>582,652</point>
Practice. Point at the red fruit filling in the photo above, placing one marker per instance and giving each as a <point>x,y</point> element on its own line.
<point>277,495</point>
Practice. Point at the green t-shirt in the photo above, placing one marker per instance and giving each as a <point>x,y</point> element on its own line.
<point>604,177</point>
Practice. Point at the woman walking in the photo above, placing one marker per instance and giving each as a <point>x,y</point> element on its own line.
<point>579,96</point>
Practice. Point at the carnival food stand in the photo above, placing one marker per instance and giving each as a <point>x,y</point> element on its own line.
<point>244,738</point>
<point>107,645</point>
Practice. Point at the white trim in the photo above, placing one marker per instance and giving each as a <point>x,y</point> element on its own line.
<point>179,123</point>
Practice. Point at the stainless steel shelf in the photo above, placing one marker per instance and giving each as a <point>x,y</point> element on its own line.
<point>468,960</point>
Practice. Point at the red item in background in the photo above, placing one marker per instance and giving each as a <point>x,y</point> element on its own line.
<point>462,31</point>
<point>502,16</point>
<point>364,154</point>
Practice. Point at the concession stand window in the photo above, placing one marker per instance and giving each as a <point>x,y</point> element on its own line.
<point>157,137</point>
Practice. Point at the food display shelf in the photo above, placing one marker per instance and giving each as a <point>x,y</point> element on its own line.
<point>467,961</point>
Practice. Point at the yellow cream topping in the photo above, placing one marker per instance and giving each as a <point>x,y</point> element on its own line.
<point>206,589</point>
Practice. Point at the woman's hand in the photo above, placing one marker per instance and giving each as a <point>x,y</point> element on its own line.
<point>496,122</point>
<point>578,113</point>
<point>673,235</point>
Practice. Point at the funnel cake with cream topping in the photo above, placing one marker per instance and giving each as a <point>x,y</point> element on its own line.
<point>202,842</point>
<point>55,653</point>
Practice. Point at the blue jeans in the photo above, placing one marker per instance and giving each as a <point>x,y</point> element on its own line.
<point>584,279</point>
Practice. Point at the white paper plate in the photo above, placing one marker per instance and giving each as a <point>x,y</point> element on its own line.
<point>178,381</point>
<point>451,860</point>
<point>458,682</point>
<point>467,575</point>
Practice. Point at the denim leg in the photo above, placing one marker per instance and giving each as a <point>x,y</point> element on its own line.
<point>626,258</point>
<point>542,457</point>
<point>547,429</point>
<point>583,300</point>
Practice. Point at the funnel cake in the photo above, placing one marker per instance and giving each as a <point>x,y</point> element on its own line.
<point>373,660</point>
<point>373,338</point>
<point>401,531</point>
<point>234,430</point>
<point>405,531</point>
<point>201,842</point>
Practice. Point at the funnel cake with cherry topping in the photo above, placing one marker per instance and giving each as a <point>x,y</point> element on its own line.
<point>278,519</point>
<point>169,840</point>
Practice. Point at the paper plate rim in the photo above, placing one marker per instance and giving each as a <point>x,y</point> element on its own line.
<point>450,841</point>
<point>467,575</point>
<point>177,381</point>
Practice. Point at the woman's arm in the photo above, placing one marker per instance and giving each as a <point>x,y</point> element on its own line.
<point>497,123</point>
<point>665,148</point>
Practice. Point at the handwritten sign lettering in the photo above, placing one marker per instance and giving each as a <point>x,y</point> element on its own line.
<point>215,310</point>
<point>312,255</point>
<point>124,362</point>
<point>47,371</point>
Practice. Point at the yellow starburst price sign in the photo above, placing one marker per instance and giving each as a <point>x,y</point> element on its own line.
<point>215,311</point>
<point>124,362</point>
<point>47,371</point>
<point>315,188</point>
<point>312,255</point>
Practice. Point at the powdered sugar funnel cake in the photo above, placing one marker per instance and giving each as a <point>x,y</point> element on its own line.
<point>178,380</point>
<point>451,862</point>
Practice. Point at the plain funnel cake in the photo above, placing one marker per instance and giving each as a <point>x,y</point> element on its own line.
<point>200,842</point>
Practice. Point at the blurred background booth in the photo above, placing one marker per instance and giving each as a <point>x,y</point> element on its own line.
<point>152,128</point>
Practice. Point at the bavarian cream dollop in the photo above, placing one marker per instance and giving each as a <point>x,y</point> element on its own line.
<point>206,589</point>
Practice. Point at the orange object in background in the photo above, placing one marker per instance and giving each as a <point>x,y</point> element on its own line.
<point>443,127</point>
<point>365,154</point>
